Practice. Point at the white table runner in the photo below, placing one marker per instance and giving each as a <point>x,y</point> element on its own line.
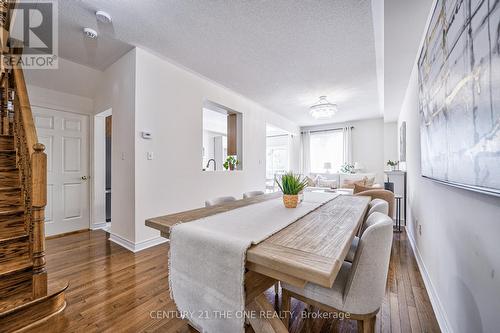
<point>207,259</point>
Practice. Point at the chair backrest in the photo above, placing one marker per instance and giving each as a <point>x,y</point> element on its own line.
<point>218,201</point>
<point>381,194</point>
<point>252,194</point>
<point>365,288</point>
<point>378,205</point>
<point>372,219</point>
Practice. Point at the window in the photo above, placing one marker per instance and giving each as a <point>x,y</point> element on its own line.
<point>221,137</point>
<point>326,151</point>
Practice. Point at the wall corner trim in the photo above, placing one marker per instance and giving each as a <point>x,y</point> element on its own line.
<point>136,247</point>
<point>437,306</point>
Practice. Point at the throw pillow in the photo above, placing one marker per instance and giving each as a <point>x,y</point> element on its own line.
<point>360,188</point>
<point>310,182</point>
<point>370,181</point>
<point>330,183</point>
<point>349,183</point>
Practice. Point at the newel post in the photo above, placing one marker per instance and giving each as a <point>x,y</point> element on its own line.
<point>38,203</point>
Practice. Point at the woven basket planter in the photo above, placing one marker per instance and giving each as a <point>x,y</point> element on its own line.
<point>290,201</point>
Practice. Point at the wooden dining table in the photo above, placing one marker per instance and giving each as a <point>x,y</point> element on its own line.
<point>311,249</point>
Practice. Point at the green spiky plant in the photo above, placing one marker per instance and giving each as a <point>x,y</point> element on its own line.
<point>291,184</point>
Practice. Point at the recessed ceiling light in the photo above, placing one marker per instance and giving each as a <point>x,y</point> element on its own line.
<point>90,33</point>
<point>323,109</point>
<point>103,16</point>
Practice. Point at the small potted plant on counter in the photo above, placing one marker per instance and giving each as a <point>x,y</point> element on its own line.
<point>392,164</point>
<point>291,186</point>
<point>231,163</point>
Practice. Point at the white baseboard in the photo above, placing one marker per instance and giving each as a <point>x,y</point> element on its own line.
<point>97,226</point>
<point>441,316</point>
<point>136,247</point>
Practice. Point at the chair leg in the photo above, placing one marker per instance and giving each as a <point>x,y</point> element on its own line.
<point>308,320</point>
<point>367,325</point>
<point>276,296</point>
<point>285,307</point>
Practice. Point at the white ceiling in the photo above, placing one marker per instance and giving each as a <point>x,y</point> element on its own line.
<point>282,54</point>
<point>404,24</point>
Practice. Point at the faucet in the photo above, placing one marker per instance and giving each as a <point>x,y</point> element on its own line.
<point>215,164</point>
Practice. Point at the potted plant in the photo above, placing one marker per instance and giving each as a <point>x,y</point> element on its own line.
<point>231,163</point>
<point>291,186</point>
<point>392,164</point>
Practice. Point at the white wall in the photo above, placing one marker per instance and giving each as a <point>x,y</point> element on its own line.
<point>367,144</point>
<point>459,244</point>
<point>71,78</point>
<point>117,91</point>
<point>391,138</point>
<point>169,102</point>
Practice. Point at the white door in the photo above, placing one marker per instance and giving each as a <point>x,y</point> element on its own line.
<point>65,136</point>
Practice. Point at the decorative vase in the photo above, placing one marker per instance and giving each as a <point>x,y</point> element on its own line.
<point>290,201</point>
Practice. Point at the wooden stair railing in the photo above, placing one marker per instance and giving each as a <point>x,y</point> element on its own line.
<point>26,296</point>
<point>33,165</point>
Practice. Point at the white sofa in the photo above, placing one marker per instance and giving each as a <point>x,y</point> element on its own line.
<point>340,178</point>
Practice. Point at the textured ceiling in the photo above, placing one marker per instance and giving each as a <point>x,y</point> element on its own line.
<point>404,24</point>
<point>282,54</point>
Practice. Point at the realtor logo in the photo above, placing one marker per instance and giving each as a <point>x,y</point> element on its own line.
<point>33,35</point>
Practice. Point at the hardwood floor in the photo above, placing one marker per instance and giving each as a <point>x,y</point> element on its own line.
<point>114,290</point>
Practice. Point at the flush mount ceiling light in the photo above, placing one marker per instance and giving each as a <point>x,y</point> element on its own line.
<point>103,16</point>
<point>90,33</point>
<point>323,109</point>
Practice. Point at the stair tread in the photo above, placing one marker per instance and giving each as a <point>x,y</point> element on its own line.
<point>12,210</point>
<point>5,169</point>
<point>13,266</point>
<point>15,302</point>
<point>11,238</point>
<point>10,188</point>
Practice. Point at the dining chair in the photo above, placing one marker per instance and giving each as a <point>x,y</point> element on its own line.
<point>378,205</point>
<point>252,194</point>
<point>372,219</point>
<point>359,287</point>
<point>218,201</point>
<point>388,196</point>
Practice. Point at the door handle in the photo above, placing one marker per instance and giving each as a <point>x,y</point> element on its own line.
<point>84,177</point>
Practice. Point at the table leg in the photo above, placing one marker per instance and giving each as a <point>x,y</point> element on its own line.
<point>265,320</point>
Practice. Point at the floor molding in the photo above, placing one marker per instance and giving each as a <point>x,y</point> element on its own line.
<point>441,316</point>
<point>136,247</point>
<point>97,226</point>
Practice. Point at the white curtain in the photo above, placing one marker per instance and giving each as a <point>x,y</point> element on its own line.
<point>347,144</point>
<point>306,153</point>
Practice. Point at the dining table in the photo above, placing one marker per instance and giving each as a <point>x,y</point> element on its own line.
<point>309,250</point>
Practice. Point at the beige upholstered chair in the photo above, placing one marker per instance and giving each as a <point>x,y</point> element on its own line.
<point>381,194</point>
<point>218,201</point>
<point>359,287</point>
<point>378,205</point>
<point>372,219</point>
<point>252,194</point>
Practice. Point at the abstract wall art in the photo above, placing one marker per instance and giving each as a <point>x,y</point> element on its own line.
<point>459,95</point>
<point>402,142</point>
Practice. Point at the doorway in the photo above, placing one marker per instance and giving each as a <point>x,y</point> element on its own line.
<point>102,170</point>
<point>277,155</point>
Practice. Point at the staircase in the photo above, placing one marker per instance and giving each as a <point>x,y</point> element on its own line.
<point>26,297</point>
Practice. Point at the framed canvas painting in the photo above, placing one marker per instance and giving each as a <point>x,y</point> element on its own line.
<point>459,95</point>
